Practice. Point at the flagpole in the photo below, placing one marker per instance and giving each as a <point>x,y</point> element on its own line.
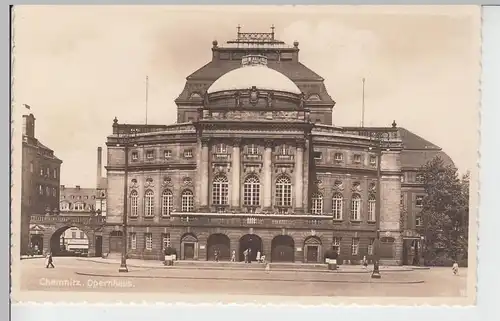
<point>147,89</point>
<point>363,105</point>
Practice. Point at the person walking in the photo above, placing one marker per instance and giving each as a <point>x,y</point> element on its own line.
<point>233,256</point>
<point>258,256</point>
<point>245,254</point>
<point>455,268</point>
<point>49,260</point>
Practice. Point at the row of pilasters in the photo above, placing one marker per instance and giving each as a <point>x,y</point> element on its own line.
<point>267,168</point>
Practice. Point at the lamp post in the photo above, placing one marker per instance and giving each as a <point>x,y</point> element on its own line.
<point>378,137</point>
<point>125,141</point>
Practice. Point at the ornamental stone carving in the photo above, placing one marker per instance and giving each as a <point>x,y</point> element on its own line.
<point>270,100</point>
<point>338,186</point>
<point>283,169</point>
<point>237,99</point>
<point>372,187</point>
<point>356,187</point>
<point>219,168</point>
<point>252,168</point>
<point>186,181</point>
<point>167,181</point>
<point>133,183</point>
<point>254,96</point>
<point>149,182</point>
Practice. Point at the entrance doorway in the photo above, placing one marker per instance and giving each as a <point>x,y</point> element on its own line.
<point>98,246</point>
<point>189,247</point>
<point>220,243</point>
<point>115,242</point>
<point>36,244</point>
<point>252,242</point>
<point>282,249</point>
<point>312,250</point>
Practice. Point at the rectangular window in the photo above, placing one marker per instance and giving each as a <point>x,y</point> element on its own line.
<point>336,244</point>
<point>419,200</point>
<point>48,172</point>
<point>371,209</point>
<point>150,154</point>
<point>73,235</point>
<point>40,189</point>
<point>370,246</point>
<point>252,149</point>
<point>418,221</point>
<point>135,156</point>
<point>337,203</point>
<point>373,160</point>
<point>41,171</point>
<point>221,149</point>
<point>55,173</point>
<point>338,157</point>
<point>166,240</point>
<point>187,202</point>
<point>167,154</point>
<point>357,158</point>
<point>149,241</point>
<point>82,235</point>
<point>32,168</point>
<point>356,208</point>
<point>317,155</point>
<point>133,241</point>
<point>188,153</point>
<point>355,246</point>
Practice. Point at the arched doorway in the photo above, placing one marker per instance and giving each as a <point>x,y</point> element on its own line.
<point>220,243</point>
<point>36,244</point>
<point>282,249</point>
<point>252,242</point>
<point>115,241</point>
<point>189,247</point>
<point>312,250</point>
<point>69,241</point>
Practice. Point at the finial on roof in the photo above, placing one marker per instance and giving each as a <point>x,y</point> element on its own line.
<point>239,28</point>
<point>296,44</point>
<point>394,124</point>
<point>272,30</point>
<point>115,121</point>
<point>215,43</point>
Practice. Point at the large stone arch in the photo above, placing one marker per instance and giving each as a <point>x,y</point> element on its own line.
<point>52,238</point>
<point>220,243</point>
<point>283,249</point>
<point>252,242</point>
<point>189,246</point>
<point>313,249</point>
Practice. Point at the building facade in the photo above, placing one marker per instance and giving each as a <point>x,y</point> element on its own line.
<point>40,183</point>
<point>254,162</point>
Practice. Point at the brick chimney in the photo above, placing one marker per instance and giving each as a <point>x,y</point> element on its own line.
<point>99,167</point>
<point>29,125</point>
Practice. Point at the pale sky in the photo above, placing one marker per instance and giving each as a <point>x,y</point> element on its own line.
<point>80,66</point>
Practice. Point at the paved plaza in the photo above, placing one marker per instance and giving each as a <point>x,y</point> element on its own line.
<point>72,274</point>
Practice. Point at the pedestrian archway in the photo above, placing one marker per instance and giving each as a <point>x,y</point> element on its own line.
<point>220,243</point>
<point>69,241</point>
<point>282,249</point>
<point>252,242</point>
<point>312,250</point>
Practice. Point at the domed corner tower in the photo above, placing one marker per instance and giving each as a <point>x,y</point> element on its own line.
<point>280,56</point>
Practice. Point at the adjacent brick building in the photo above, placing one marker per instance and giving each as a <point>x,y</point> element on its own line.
<point>255,162</point>
<point>40,181</point>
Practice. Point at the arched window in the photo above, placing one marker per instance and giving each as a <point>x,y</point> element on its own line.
<point>149,203</point>
<point>220,190</point>
<point>251,191</point>
<point>356,207</point>
<point>337,206</point>
<point>371,208</point>
<point>283,192</point>
<point>133,203</point>
<point>317,204</point>
<point>187,201</point>
<point>167,203</point>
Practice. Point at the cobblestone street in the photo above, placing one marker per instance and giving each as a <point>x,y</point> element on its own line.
<point>73,274</point>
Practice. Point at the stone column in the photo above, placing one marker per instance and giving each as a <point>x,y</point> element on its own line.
<point>204,175</point>
<point>235,175</point>
<point>299,176</point>
<point>267,170</point>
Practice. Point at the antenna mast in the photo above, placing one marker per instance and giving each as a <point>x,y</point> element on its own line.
<point>363,105</point>
<point>147,89</point>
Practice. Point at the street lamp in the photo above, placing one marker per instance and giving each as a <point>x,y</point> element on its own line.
<point>125,141</point>
<point>378,138</point>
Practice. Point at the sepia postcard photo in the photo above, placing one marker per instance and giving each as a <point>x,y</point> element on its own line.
<point>269,154</point>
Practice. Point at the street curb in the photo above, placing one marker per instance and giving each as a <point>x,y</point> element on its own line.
<point>124,275</point>
<point>32,257</point>
<point>213,268</point>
